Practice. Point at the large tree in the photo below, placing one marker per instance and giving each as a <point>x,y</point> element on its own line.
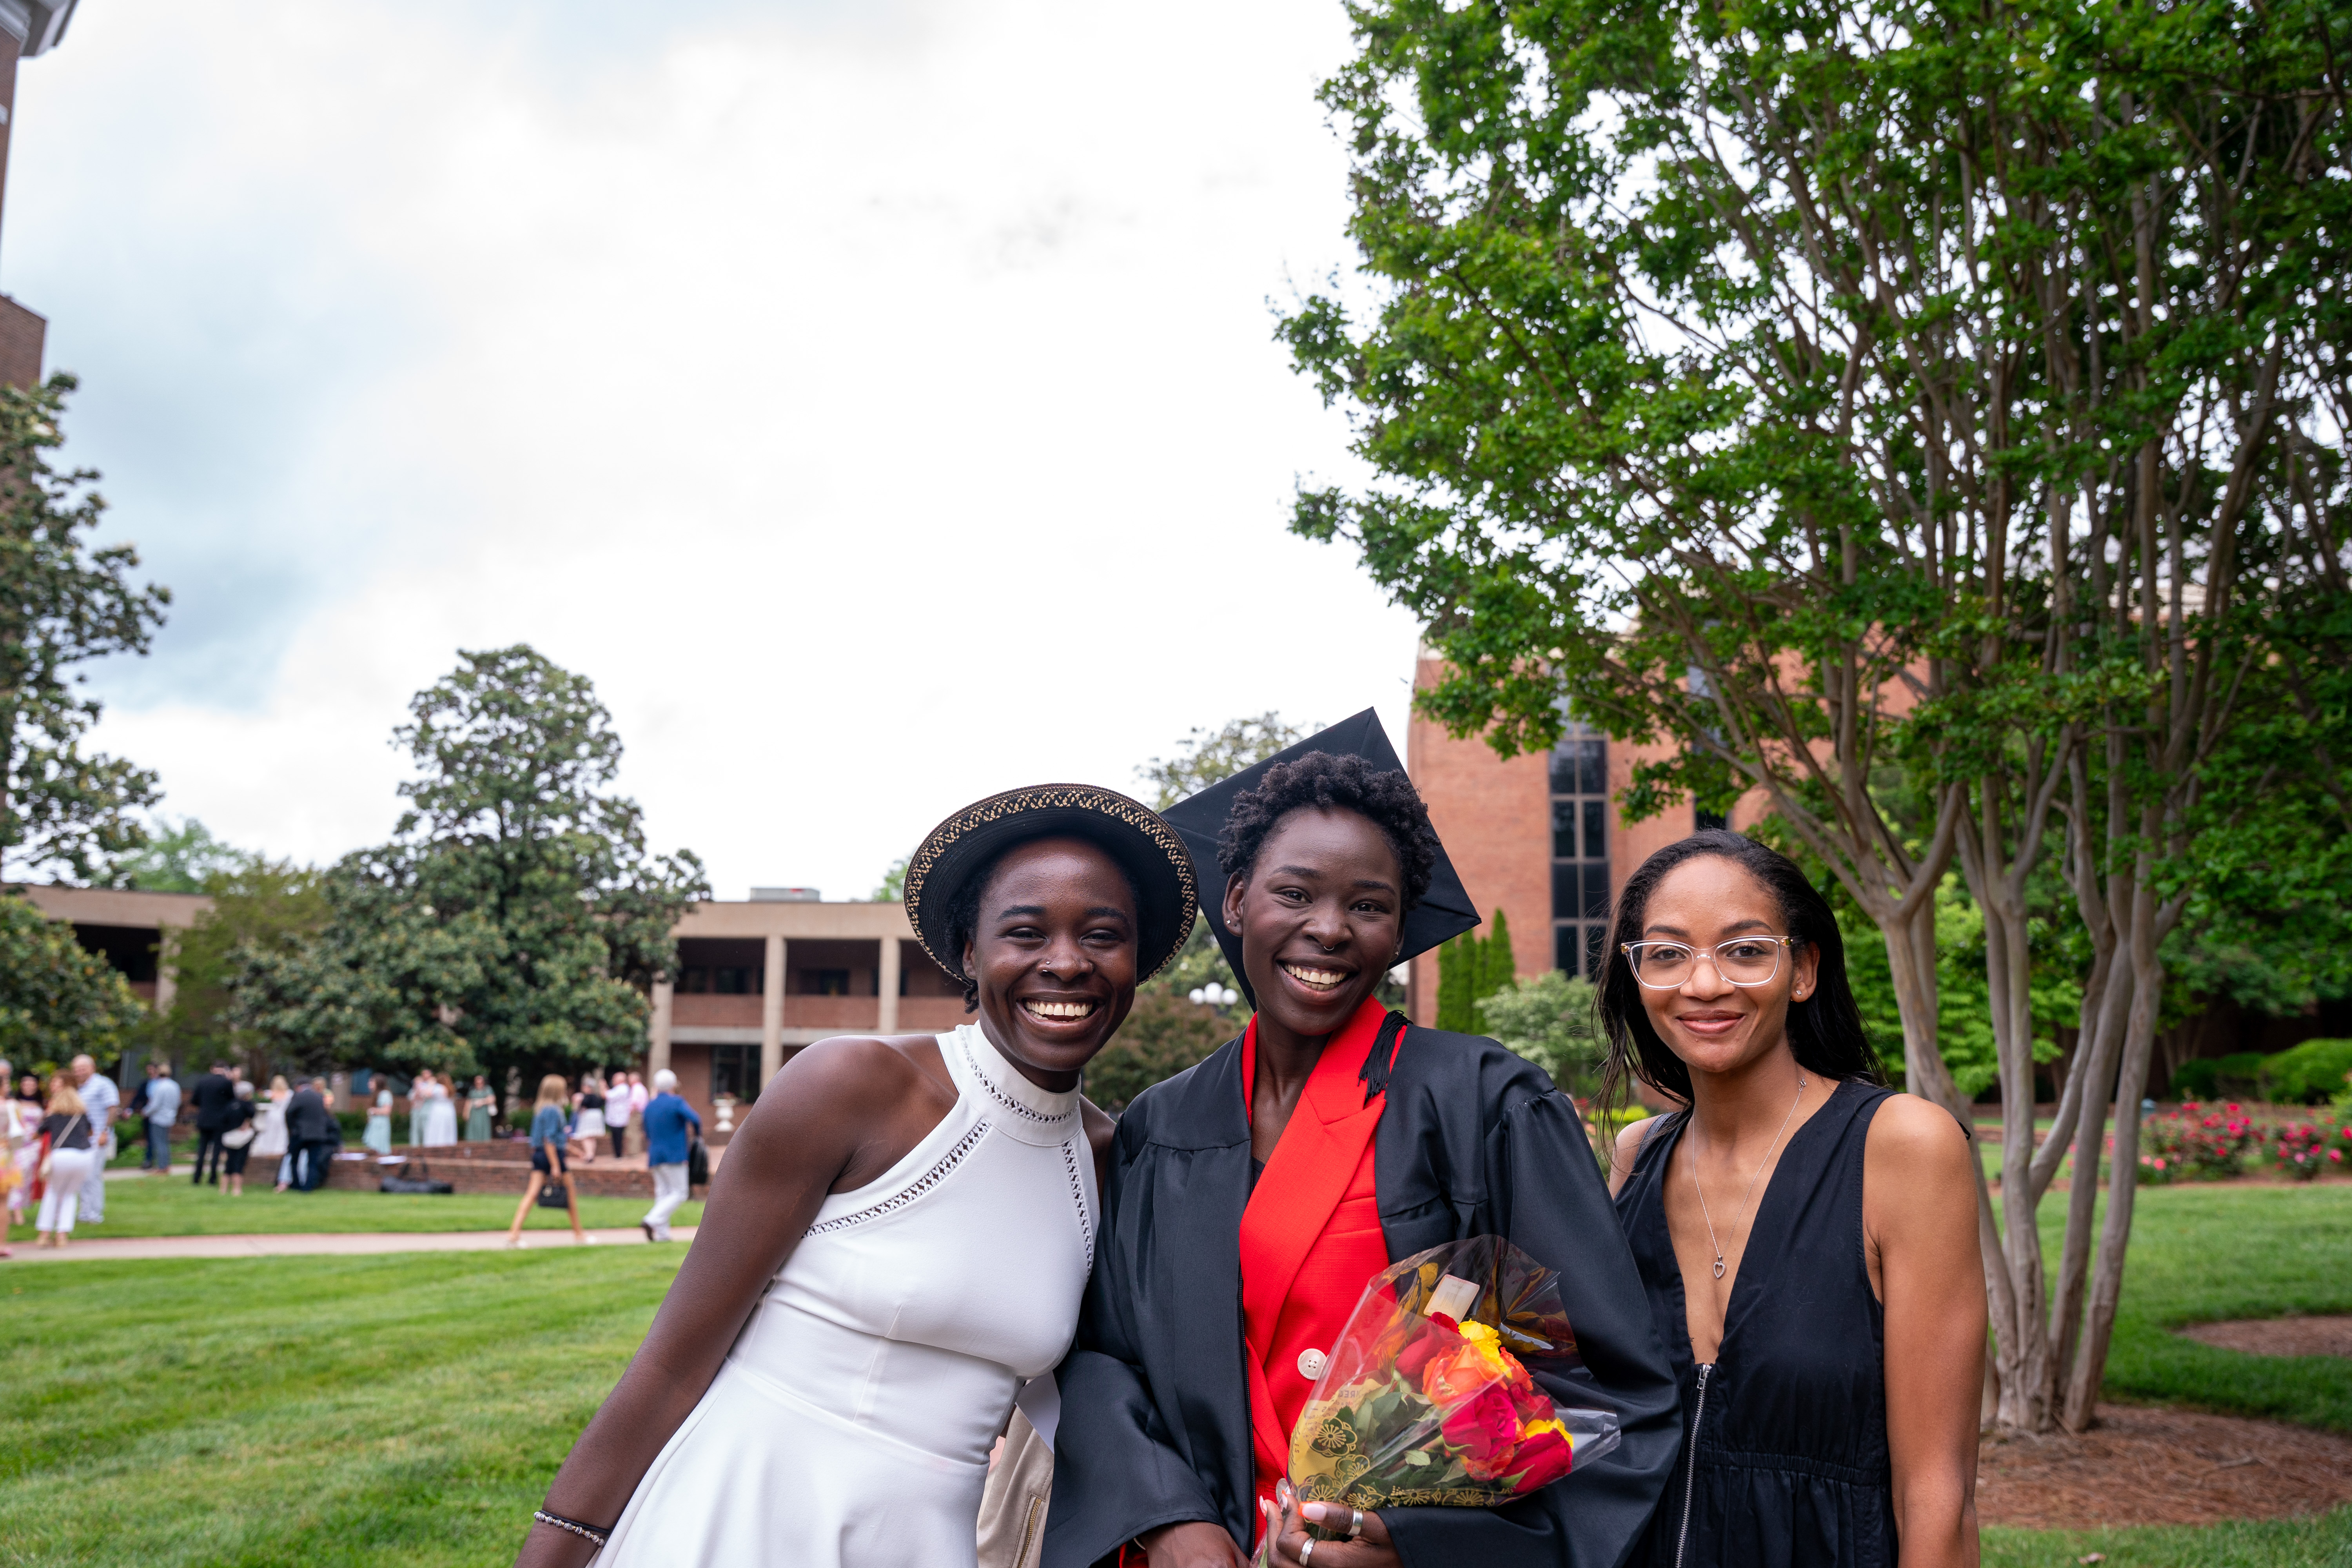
<point>517,917</point>
<point>58,999</point>
<point>64,808</point>
<point>1908,410</point>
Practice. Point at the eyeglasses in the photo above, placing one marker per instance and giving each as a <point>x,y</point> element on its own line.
<point>1743,960</point>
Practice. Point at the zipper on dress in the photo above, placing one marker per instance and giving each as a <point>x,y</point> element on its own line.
<point>1690,1468</point>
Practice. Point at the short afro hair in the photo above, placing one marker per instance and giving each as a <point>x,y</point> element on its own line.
<point>1322,780</point>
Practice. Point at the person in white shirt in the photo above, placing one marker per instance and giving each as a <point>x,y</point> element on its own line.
<point>619,1113</point>
<point>163,1113</point>
<point>100,1099</point>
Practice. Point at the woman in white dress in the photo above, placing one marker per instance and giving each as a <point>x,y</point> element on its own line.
<point>377,1134</point>
<point>440,1127</point>
<point>899,1236</point>
<point>269,1143</point>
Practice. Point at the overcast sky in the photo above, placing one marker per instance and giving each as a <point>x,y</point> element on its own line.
<point>877,400</point>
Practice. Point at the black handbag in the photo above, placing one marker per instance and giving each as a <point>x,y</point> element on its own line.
<point>697,1165</point>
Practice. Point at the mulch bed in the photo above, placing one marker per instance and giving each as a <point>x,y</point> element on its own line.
<point>2278,1336</point>
<point>2147,1466</point>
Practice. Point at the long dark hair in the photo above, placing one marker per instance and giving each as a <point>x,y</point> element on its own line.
<point>1824,1029</point>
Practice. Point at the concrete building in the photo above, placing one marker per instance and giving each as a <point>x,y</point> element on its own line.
<point>719,1023</point>
<point>1538,837</point>
<point>760,979</point>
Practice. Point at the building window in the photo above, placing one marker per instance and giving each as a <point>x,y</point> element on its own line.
<point>1703,820</point>
<point>735,1069</point>
<point>1580,849</point>
<point>824,983</point>
<point>702,981</point>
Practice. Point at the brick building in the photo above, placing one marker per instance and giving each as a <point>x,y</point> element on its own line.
<point>28,27</point>
<point>1538,837</point>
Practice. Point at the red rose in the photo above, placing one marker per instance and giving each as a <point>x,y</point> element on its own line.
<point>1544,1458</point>
<point>1439,1336</point>
<point>1485,1429</point>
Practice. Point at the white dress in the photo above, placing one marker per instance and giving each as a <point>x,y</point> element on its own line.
<point>440,1127</point>
<point>850,1424</point>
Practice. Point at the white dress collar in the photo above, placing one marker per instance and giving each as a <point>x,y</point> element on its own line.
<point>1031,1114</point>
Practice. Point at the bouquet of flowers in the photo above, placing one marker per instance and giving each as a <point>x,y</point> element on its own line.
<point>1427,1399</point>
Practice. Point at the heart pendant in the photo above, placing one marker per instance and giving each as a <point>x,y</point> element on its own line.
<point>1719,1266</point>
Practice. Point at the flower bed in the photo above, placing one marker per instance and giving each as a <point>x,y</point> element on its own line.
<point>2194,1141</point>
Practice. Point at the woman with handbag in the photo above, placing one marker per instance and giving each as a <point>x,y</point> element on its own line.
<point>236,1140</point>
<point>481,1102</point>
<point>549,1134</point>
<point>67,1157</point>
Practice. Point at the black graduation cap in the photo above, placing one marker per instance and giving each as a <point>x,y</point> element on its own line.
<point>1444,911</point>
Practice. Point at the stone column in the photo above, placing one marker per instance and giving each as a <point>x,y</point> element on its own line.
<point>167,969</point>
<point>886,983</point>
<point>771,1010</point>
<point>657,1028</point>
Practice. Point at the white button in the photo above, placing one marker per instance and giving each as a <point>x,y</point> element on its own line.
<point>1310,1364</point>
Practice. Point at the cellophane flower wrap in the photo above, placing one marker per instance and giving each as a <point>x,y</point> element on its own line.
<point>1428,1398</point>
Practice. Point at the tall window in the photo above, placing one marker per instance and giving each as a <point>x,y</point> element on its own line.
<point>1580,849</point>
<point>735,1069</point>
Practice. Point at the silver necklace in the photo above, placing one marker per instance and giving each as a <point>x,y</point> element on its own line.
<point>1751,1181</point>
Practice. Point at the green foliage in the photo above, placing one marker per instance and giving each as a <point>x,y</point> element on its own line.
<point>1471,968</point>
<point>63,603</point>
<point>513,922</point>
<point>2310,1073</point>
<point>57,1000</point>
<point>1549,1019</point>
<point>183,860</point>
<point>1206,756</point>
<point>1161,1038</point>
<point>892,886</point>
<point>263,908</point>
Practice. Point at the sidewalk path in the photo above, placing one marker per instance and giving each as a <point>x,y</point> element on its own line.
<point>316,1245</point>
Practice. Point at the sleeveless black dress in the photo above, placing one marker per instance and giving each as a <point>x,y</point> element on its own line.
<point>1784,1461</point>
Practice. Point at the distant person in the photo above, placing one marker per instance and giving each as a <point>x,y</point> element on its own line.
<point>666,1118</point>
<point>269,1145</point>
<point>433,1122</point>
<point>25,1107</point>
<point>377,1134</point>
<point>101,1100</point>
<point>481,1106</point>
<point>212,1094</point>
<point>237,1139</point>
<point>162,1093</point>
<point>618,1113</point>
<point>588,1117</point>
<point>68,1142</point>
<point>15,1133</point>
<point>310,1125</point>
<point>548,1137</point>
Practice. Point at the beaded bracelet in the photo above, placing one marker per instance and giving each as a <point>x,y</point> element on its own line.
<point>586,1531</point>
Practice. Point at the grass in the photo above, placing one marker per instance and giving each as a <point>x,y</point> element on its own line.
<point>2322,1542</point>
<point>309,1411</point>
<point>324,1412</point>
<point>172,1205</point>
<point>2208,1252</point>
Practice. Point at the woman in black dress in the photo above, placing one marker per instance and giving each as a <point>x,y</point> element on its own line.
<point>1807,1237</point>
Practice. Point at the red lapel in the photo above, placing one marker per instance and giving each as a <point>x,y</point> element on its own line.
<point>1302,1184</point>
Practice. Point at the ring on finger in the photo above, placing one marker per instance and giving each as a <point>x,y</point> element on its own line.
<point>1307,1552</point>
<point>1356,1526</point>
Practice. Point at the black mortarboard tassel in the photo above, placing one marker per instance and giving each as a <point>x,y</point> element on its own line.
<point>1445,911</point>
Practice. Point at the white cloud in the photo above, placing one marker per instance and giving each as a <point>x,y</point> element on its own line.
<point>881,409</point>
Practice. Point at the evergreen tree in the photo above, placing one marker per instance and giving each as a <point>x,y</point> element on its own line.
<point>1459,964</point>
<point>1499,968</point>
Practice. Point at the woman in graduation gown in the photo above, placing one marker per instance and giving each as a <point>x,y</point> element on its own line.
<point>1251,1197</point>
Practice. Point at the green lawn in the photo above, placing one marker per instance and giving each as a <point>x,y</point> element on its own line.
<point>172,1205</point>
<point>318,1412</point>
<point>304,1412</point>
<point>2207,1251</point>
<point>2324,1542</point>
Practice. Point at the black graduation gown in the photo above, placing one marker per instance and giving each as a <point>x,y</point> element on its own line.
<point>1473,1141</point>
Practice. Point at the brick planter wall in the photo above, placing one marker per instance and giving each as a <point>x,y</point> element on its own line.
<point>490,1168</point>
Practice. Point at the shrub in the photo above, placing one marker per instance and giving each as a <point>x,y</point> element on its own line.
<point>2304,1149</point>
<point>1549,1020</point>
<point>1162,1036</point>
<point>2211,1078</point>
<point>2308,1074</point>
<point>2194,1141</point>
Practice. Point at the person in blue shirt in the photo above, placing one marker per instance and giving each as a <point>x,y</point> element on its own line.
<point>549,1130</point>
<point>666,1117</point>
